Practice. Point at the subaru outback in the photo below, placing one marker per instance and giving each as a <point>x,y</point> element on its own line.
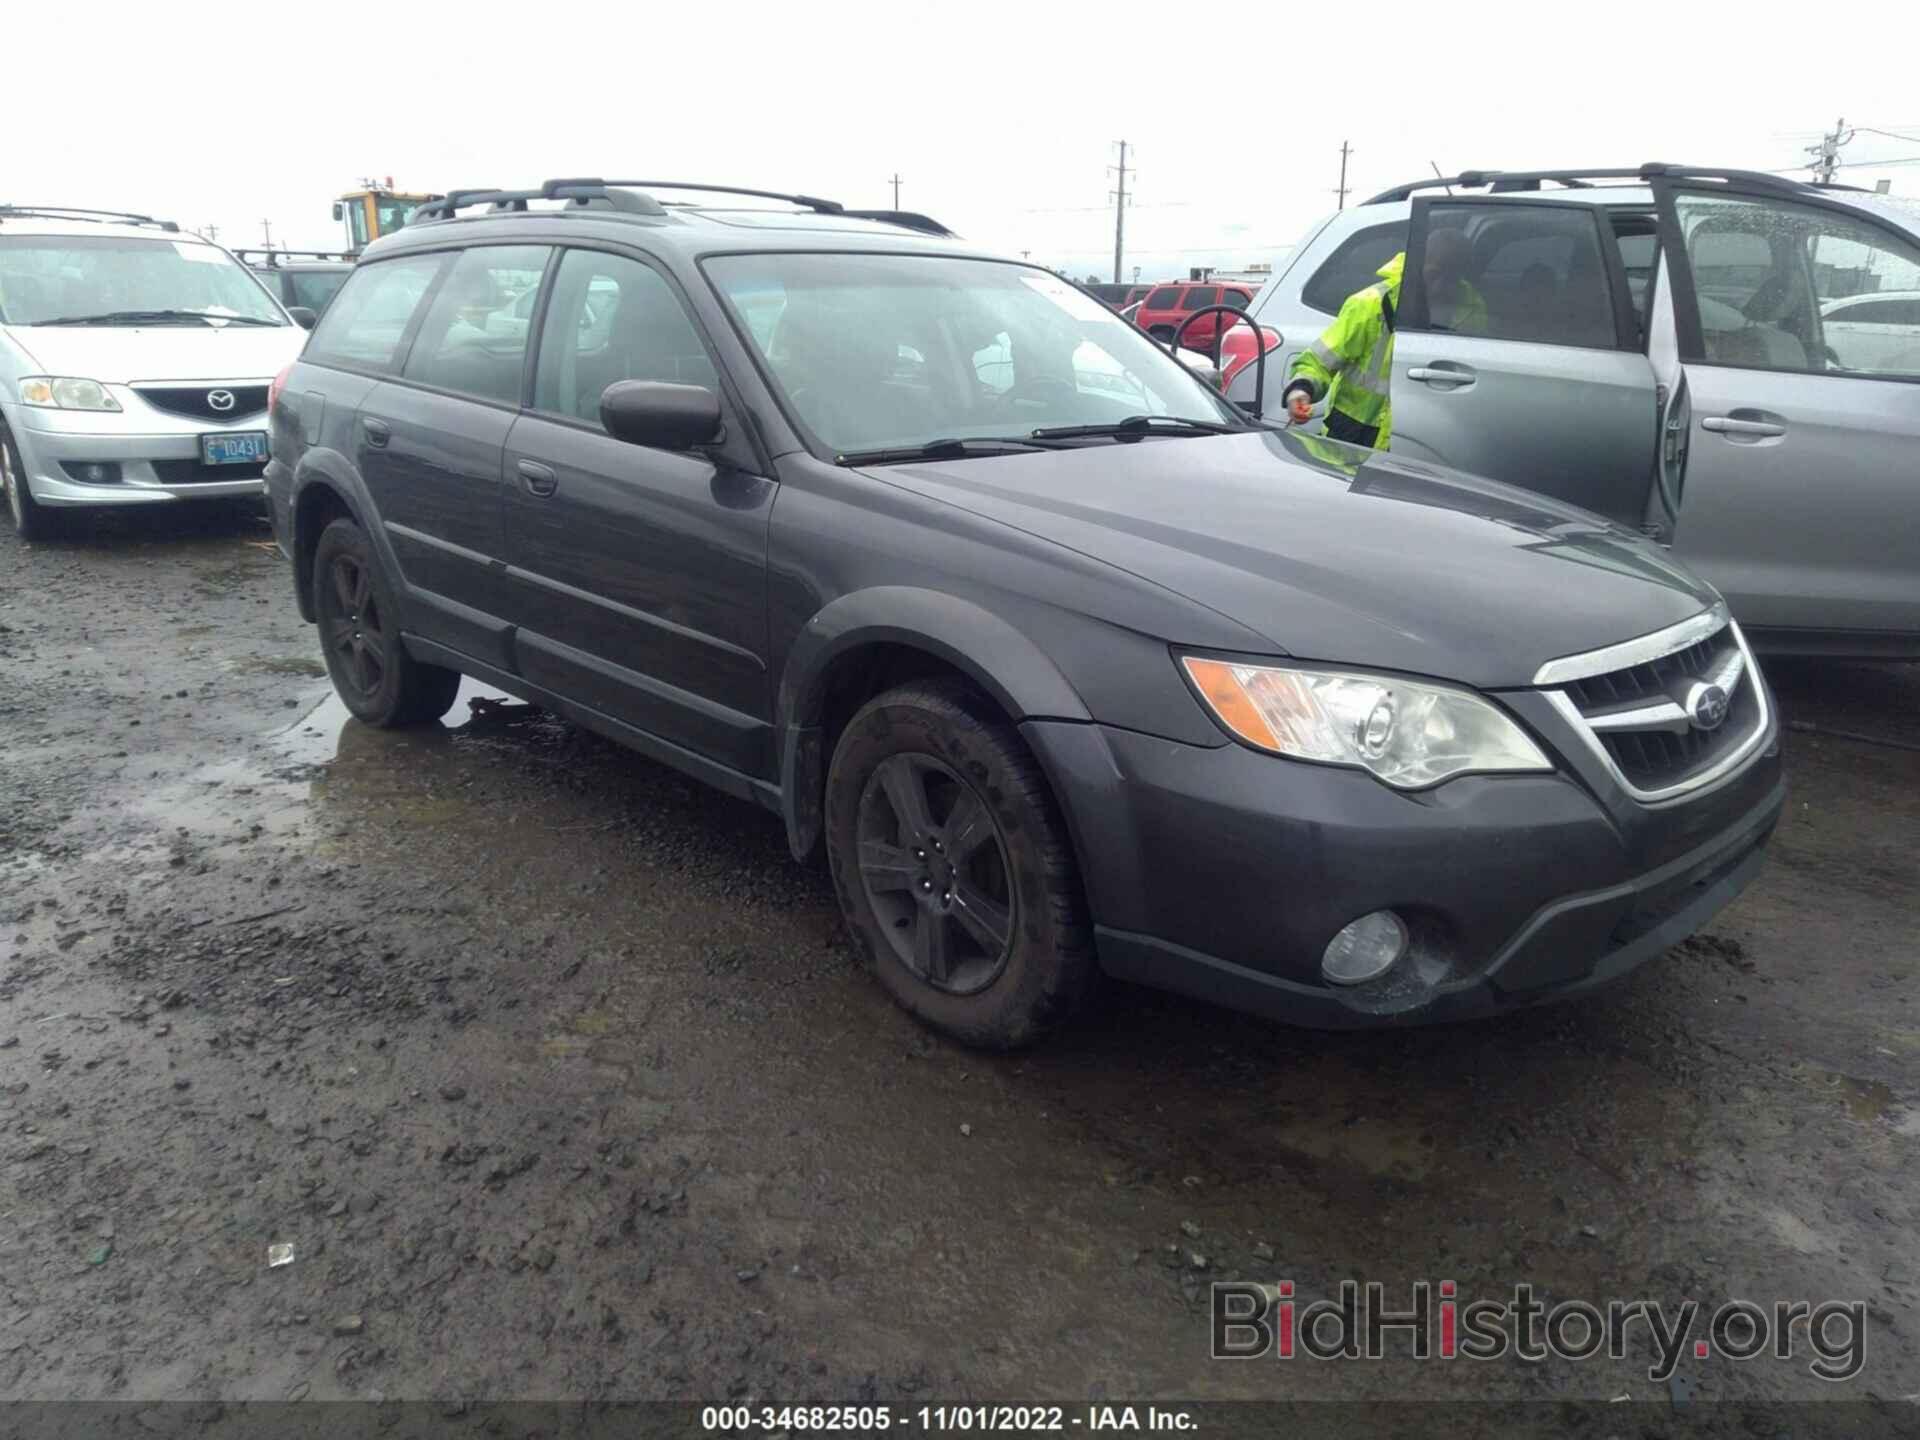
<point>1068,667</point>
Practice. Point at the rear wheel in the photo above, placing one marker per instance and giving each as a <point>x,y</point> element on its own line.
<point>953,867</point>
<point>360,635</point>
<point>31,521</point>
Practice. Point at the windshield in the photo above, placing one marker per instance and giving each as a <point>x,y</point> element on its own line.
<point>881,351</point>
<point>65,277</point>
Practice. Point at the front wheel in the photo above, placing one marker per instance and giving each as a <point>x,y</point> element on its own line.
<point>31,521</point>
<point>360,635</point>
<point>953,867</point>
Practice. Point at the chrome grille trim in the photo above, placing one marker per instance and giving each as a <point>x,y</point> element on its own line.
<point>1637,651</point>
<point>1723,769</point>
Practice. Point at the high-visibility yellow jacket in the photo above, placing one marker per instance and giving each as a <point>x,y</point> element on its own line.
<point>1351,364</point>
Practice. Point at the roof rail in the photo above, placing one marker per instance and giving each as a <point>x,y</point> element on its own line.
<point>580,192</point>
<point>272,258</point>
<point>912,219</point>
<point>1501,182</point>
<point>635,197</point>
<point>98,217</point>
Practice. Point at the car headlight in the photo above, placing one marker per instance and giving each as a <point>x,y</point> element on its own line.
<point>1409,735</point>
<point>63,392</point>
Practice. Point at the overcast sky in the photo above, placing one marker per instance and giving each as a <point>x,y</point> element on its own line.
<point>999,118</point>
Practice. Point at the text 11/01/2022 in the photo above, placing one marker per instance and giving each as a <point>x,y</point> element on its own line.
<point>858,1419</point>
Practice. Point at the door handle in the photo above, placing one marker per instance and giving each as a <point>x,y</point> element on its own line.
<point>378,432</point>
<point>1442,374</point>
<point>539,479</point>
<point>1727,425</point>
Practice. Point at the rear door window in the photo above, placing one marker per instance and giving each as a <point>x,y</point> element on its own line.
<point>1529,272</point>
<point>363,329</point>
<point>474,337</point>
<point>1201,296</point>
<point>1353,266</point>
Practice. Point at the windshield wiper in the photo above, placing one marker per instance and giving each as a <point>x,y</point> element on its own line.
<point>947,449</point>
<point>1135,425</point>
<point>153,317</point>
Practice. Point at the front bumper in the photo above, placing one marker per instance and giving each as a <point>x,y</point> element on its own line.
<point>1222,873</point>
<point>149,463</point>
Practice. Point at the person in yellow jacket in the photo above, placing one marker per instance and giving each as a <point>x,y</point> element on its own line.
<point>1351,365</point>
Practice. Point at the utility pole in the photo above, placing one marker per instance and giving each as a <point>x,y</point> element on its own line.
<point>896,189</point>
<point>1345,150</point>
<point>1120,213</point>
<point>267,227</point>
<point>212,232</point>
<point>1826,155</point>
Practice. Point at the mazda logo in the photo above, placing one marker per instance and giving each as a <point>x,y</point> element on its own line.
<point>1706,706</point>
<point>220,400</point>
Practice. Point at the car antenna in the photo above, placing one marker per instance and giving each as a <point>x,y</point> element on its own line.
<point>1441,178</point>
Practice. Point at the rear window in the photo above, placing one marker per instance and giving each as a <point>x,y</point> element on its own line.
<point>315,289</point>
<point>363,328</point>
<point>1353,266</point>
<point>1167,297</point>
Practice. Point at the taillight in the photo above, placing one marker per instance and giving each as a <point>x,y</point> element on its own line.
<point>279,383</point>
<point>1237,349</point>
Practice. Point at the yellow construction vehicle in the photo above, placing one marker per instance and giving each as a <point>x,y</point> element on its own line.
<point>374,210</point>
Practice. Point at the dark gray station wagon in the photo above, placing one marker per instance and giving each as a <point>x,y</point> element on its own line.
<point>1067,665</point>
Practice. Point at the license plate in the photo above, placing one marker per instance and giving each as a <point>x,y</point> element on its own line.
<point>248,447</point>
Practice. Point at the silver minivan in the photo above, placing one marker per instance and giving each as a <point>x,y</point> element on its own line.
<point>1689,352</point>
<point>135,365</point>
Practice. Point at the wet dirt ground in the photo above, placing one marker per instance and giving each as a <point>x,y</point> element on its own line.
<point>559,1079</point>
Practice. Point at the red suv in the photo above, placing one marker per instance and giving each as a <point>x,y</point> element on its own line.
<point>1166,306</point>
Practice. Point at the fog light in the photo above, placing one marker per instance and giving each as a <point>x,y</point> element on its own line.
<point>94,472</point>
<point>1366,949</point>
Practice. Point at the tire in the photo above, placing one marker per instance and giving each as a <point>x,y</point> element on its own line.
<point>31,520</point>
<point>360,637</point>
<point>934,763</point>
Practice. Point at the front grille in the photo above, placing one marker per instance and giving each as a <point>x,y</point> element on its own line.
<point>192,472</point>
<point>1637,715</point>
<point>192,401</point>
<point>1655,759</point>
<point>1653,680</point>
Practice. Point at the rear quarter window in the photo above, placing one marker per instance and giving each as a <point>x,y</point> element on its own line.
<point>1353,266</point>
<point>364,325</point>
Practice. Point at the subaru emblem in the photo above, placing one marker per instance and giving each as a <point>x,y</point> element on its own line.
<point>1706,706</point>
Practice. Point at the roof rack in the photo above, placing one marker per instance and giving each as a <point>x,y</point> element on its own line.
<point>1502,182</point>
<point>272,258</point>
<point>98,217</point>
<point>635,197</point>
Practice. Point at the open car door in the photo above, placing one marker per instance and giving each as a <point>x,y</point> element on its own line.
<point>1533,369</point>
<point>1798,485</point>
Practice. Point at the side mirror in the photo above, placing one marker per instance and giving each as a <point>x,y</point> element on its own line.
<point>666,417</point>
<point>302,316</point>
<point>339,211</point>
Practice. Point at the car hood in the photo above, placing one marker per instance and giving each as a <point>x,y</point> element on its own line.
<point>124,355</point>
<point>1338,554</point>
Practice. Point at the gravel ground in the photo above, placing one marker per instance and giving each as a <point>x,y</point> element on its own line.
<point>559,1080</point>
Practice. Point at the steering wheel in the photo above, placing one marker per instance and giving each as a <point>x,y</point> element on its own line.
<point>1038,388</point>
